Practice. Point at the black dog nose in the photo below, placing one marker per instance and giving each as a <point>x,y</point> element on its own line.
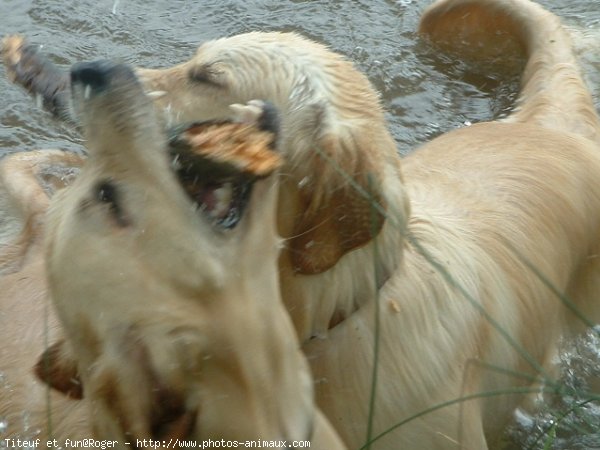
<point>95,74</point>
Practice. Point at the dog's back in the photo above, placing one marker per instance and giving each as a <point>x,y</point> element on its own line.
<point>515,204</point>
<point>503,228</point>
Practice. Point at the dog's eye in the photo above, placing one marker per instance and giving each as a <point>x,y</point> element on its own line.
<point>205,74</point>
<point>106,192</point>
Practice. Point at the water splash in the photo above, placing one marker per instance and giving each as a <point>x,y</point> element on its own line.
<point>572,417</point>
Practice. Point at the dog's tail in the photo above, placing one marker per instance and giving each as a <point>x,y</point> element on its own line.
<point>553,93</point>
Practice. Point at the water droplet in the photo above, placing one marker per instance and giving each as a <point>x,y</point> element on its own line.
<point>303,182</point>
<point>3,425</point>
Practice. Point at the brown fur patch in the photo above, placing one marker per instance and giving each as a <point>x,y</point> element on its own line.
<point>338,215</point>
<point>58,369</point>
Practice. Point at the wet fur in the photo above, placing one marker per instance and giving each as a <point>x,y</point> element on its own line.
<point>187,337</point>
<point>478,209</point>
<point>27,320</point>
<point>478,224</point>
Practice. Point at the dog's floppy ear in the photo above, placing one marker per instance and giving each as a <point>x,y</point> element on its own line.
<point>340,206</point>
<point>58,368</point>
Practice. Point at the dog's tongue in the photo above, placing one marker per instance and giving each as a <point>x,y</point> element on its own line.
<point>217,201</point>
<point>214,199</point>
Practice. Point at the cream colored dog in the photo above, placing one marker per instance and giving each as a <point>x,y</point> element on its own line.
<point>152,375</point>
<point>469,248</point>
<point>164,275</point>
<point>28,323</point>
<point>449,283</point>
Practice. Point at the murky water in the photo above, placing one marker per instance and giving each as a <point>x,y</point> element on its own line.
<point>425,94</point>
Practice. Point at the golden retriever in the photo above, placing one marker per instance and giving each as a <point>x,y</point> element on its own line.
<point>29,410</point>
<point>265,394</point>
<point>163,271</point>
<point>411,291</point>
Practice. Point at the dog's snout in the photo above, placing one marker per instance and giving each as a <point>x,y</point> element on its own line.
<point>95,74</point>
<point>98,75</point>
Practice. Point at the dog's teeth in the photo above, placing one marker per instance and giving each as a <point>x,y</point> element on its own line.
<point>168,114</point>
<point>175,162</point>
<point>303,182</point>
<point>156,94</point>
<point>87,91</point>
<point>249,113</point>
<point>223,197</point>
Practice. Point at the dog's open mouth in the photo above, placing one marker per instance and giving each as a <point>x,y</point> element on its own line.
<point>217,164</point>
<point>223,202</point>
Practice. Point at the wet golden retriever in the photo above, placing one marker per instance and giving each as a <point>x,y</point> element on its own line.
<point>445,281</point>
<point>207,351</point>
<point>28,408</point>
<point>163,271</point>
